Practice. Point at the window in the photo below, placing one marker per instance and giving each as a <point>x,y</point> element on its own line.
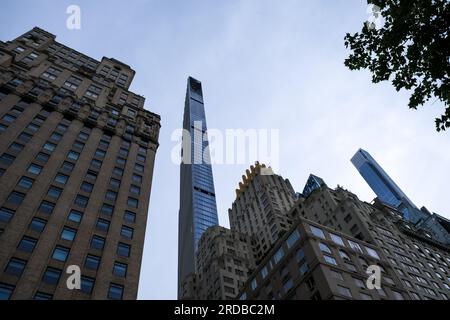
<point>42,296</point>
<point>16,198</point>
<point>33,127</point>
<point>330,260</point>
<point>15,267</point>
<point>114,183</point>
<point>139,168</point>
<point>73,155</point>
<point>359,283</point>
<point>121,161</point>
<point>123,249</point>
<point>132,202</point>
<point>73,83</point>
<point>355,246</point>
<point>344,255</point>
<point>344,291</point>
<point>93,92</point>
<point>107,210</point>
<point>137,178</point>
<point>317,232</point>
<point>6,214</point>
<point>87,284</point>
<point>25,137</point>
<point>15,147</point>
<point>135,190</point>
<point>87,187</point>
<point>397,295</point>
<point>37,224</point>
<point>56,136</point>
<point>50,147</point>
<point>27,244</point>
<point>83,136</point>
<point>54,192</point>
<point>7,159</point>
<point>337,239</point>
<point>96,163</point>
<point>111,195</point>
<point>102,225</point>
<point>129,216</point>
<point>34,169</point>
<point>25,183</point>
<point>127,232</point>
<point>303,269</point>
<point>324,248</point>
<point>60,253</point>
<point>81,201</point>
<point>118,171</point>
<point>140,158</point>
<point>68,234</point>
<point>92,262</point>
<point>91,175</point>
<point>75,216</point>
<point>120,270</point>
<point>123,152</point>
<point>62,127</point>
<point>9,118</point>
<point>6,291</point>
<point>46,207</point>
<point>67,167</point>
<point>61,178</point>
<point>115,292</point>
<point>100,154</point>
<point>372,253</point>
<point>278,255</point>
<point>97,242</point>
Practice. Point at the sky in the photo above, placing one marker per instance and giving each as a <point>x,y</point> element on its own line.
<point>264,64</point>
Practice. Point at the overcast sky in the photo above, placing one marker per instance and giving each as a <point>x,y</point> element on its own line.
<point>264,64</point>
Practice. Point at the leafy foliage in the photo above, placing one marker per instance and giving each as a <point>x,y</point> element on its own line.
<point>412,49</point>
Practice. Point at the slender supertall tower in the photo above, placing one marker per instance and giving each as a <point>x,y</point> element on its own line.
<point>198,209</point>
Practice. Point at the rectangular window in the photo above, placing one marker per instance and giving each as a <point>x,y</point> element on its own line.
<point>6,291</point>
<point>25,183</point>
<point>132,202</point>
<point>61,178</point>
<point>135,190</point>
<point>67,167</point>
<point>68,234</point>
<point>118,171</point>
<point>42,296</point>
<point>355,246</point>
<point>73,155</point>
<point>75,216</point>
<point>337,239</point>
<point>139,168</point>
<point>15,267</point>
<point>60,253</point>
<point>127,232</point>
<point>50,147</point>
<point>54,192</point>
<point>27,244</point>
<point>37,224</point>
<point>81,201</point>
<point>317,232</point>
<point>107,210</point>
<point>293,238</point>
<point>7,159</point>
<point>15,198</point>
<point>87,187</point>
<point>97,242</point>
<point>123,249</point>
<point>120,270</point>
<point>92,262</point>
<point>6,214</point>
<point>102,225</point>
<point>115,292</point>
<point>87,284</point>
<point>330,260</point>
<point>111,196</point>
<point>137,178</point>
<point>129,216</point>
<point>114,183</point>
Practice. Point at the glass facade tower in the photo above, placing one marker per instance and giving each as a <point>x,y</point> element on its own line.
<point>198,209</point>
<point>379,181</point>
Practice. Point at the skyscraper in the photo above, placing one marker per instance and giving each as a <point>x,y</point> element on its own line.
<point>379,181</point>
<point>77,151</point>
<point>198,209</point>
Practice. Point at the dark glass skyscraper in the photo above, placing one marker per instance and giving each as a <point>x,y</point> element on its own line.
<point>379,181</point>
<point>198,209</point>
